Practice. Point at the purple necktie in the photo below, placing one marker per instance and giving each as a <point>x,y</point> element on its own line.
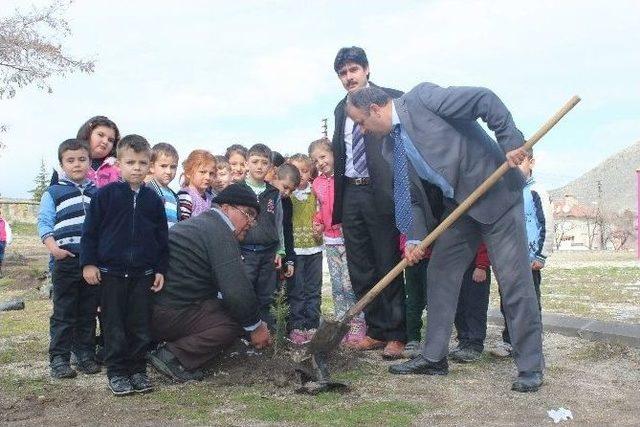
<point>357,149</point>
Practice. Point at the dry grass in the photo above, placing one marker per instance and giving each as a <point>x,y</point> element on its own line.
<point>599,383</point>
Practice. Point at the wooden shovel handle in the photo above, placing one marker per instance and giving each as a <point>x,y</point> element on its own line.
<point>459,211</point>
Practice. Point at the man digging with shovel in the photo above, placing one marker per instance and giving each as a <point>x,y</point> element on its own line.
<point>436,137</point>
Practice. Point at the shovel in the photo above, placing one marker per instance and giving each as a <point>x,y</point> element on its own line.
<point>331,332</point>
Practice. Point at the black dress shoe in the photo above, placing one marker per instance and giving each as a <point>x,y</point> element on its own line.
<point>120,385</point>
<point>60,368</point>
<point>88,366</point>
<point>140,382</point>
<point>420,365</point>
<point>465,355</point>
<point>527,382</point>
<point>168,364</point>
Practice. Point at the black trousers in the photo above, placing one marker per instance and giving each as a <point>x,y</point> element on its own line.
<point>471,314</point>
<point>304,292</point>
<point>371,241</point>
<point>261,270</point>
<point>126,314</point>
<point>537,278</point>
<point>72,323</point>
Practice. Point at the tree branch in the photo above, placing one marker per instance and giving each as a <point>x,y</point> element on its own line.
<point>15,67</point>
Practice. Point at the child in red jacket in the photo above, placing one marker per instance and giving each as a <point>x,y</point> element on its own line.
<point>471,314</point>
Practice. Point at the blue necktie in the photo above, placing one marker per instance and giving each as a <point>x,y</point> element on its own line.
<point>401,192</point>
<point>357,149</point>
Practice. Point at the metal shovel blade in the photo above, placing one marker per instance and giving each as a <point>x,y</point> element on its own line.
<point>314,377</point>
<point>328,335</point>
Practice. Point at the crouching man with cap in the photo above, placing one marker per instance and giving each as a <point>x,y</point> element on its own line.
<point>207,301</point>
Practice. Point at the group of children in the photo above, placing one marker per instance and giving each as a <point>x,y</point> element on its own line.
<point>105,220</point>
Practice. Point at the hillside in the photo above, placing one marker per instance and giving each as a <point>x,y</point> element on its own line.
<point>617,175</point>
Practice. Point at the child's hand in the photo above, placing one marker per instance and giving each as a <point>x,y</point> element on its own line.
<point>60,254</point>
<point>56,252</point>
<point>537,265</point>
<point>158,283</point>
<point>288,272</point>
<point>91,274</point>
<point>278,262</point>
<point>479,275</point>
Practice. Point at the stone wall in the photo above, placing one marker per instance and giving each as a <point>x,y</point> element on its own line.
<point>19,210</point>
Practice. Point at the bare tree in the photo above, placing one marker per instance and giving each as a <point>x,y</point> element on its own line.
<point>561,226</point>
<point>592,224</point>
<point>31,51</point>
<point>623,228</point>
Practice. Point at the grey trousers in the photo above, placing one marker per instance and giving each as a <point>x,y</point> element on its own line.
<point>506,242</point>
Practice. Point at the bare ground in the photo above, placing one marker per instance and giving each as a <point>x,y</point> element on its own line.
<point>599,383</point>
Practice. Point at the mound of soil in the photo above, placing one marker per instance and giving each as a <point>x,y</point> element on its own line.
<point>244,366</point>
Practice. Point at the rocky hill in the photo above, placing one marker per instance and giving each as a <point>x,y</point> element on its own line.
<point>617,177</point>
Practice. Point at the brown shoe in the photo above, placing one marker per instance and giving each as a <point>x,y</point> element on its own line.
<point>367,343</point>
<point>393,350</point>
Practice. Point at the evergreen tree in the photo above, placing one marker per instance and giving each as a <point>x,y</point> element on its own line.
<point>41,181</point>
<point>280,312</point>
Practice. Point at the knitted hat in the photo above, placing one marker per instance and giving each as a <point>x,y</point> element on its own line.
<point>238,194</point>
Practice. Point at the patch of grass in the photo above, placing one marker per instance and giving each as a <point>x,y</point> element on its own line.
<point>28,350</point>
<point>33,319</point>
<point>595,351</point>
<point>598,292</point>
<point>326,306</point>
<point>24,229</point>
<point>191,402</point>
<point>35,270</point>
<point>6,282</point>
<point>361,372</point>
<point>15,385</point>
<point>330,409</point>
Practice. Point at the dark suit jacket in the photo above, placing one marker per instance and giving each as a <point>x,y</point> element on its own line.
<point>379,171</point>
<point>441,123</point>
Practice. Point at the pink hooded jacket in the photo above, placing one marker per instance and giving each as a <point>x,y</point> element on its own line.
<point>324,188</point>
<point>106,173</point>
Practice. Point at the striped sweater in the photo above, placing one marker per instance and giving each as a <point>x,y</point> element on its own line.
<point>170,199</point>
<point>62,211</point>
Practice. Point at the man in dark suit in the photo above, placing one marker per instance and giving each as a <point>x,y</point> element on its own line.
<point>436,136</point>
<point>364,205</point>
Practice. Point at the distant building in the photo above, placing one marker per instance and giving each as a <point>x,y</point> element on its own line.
<point>573,225</point>
<point>581,226</point>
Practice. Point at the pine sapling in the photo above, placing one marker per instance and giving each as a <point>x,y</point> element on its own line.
<point>280,312</point>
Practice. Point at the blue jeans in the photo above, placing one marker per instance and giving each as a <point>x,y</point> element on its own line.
<point>2,246</point>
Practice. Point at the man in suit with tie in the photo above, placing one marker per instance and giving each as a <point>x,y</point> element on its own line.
<point>436,136</point>
<point>364,205</point>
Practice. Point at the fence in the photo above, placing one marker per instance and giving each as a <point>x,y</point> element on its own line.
<point>19,210</point>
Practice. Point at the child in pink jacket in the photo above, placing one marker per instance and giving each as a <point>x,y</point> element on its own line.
<point>321,153</point>
<point>102,134</point>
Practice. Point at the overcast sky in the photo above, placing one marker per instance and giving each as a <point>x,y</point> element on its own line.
<point>209,74</point>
